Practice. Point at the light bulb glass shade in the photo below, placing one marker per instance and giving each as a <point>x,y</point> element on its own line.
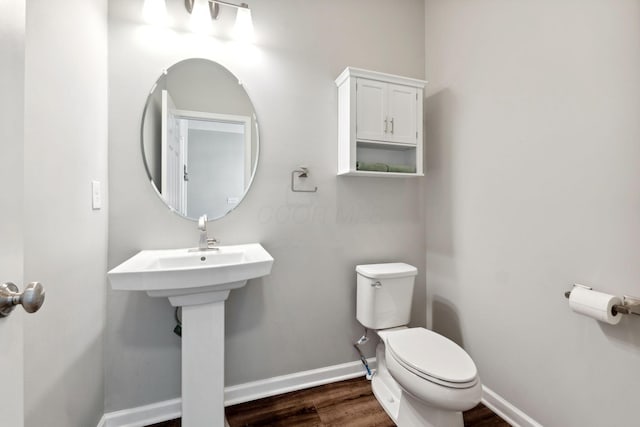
<point>154,12</point>
<point>200,21</point>
<point>243,30</point>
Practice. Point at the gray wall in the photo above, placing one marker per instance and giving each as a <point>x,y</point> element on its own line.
<point>65,241</point>
<point>302,316</point>
<point>533,162</point>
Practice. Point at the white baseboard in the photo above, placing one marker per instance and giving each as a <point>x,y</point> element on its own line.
<point>143,415</point>
<point>283,384</point>
<point>170,409</point>
<point>506,410</point>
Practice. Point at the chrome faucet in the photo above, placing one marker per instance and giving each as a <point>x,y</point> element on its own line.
<point>205,242</point>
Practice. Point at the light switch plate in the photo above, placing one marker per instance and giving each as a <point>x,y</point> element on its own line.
<point>96,195</point>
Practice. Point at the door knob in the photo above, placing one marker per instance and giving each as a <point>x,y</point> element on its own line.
<point>31,298</point>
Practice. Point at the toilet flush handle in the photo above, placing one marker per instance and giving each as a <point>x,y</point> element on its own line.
<point>376,284</point>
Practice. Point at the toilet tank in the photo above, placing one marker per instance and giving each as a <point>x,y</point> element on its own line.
<point>384,294</point>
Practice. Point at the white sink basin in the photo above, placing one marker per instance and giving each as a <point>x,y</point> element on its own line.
<point>190,277</point>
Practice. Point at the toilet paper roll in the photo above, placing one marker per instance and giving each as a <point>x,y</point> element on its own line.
<point>594,304</point>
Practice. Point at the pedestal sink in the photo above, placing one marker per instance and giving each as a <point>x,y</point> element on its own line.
<point>199,282</point>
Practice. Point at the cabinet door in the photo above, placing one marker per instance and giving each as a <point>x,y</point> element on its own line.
<point>371,109</point>
<point>402,114</point>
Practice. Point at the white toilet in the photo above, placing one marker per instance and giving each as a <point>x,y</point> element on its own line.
<point>423,379</point>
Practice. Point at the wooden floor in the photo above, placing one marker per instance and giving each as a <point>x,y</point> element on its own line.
<point>343,404</point>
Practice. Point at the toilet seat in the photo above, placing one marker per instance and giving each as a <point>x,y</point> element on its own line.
<point>432,357</point>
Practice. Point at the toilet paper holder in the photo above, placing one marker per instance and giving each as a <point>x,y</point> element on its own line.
<point>630,305</point>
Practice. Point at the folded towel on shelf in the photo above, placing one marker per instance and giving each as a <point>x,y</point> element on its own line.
<point>375,167</point>
<point>402,168</point>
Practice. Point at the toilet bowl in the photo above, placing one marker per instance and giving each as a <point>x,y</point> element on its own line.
<point>422,379</point>
<point>432,368</point>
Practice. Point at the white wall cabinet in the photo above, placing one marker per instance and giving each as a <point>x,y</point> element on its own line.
<point>379,124</point>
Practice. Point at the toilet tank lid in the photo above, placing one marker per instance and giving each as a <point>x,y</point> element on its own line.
<point>387,271</point>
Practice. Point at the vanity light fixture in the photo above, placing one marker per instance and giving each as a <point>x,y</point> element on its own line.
<point>199,22</point>
<point>243,29</point>
<point>213,8</point>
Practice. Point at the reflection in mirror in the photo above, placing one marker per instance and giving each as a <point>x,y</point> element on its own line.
<point>200,139</point>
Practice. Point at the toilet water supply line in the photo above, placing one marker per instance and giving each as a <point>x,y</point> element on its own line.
<point>363,339</point>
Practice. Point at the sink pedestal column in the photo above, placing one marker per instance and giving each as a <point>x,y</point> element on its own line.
<point>203,364</point>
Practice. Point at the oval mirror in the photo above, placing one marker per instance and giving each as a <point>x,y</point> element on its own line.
<point>199,139</point>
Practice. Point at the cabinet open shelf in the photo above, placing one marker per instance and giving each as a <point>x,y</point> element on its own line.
<point>380,174</point>
<point>386,145</point>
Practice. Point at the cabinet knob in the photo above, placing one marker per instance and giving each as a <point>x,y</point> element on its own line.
<point>391,126</point>
<point>385,125</point>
